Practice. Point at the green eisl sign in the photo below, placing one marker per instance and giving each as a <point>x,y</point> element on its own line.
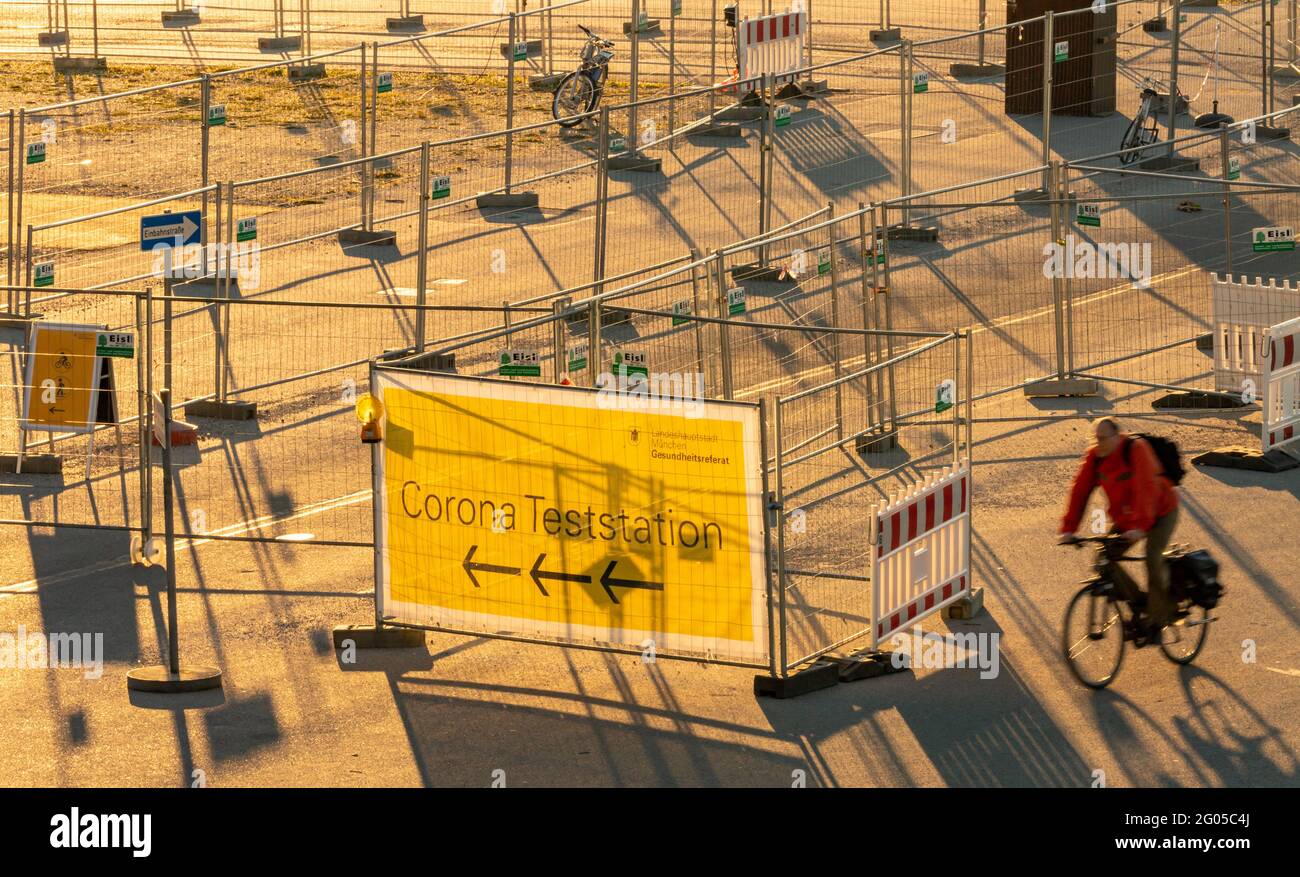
<point>520,364</point>
<point>1273,239</point>
<point>631,362</point>
<point>681,312</point>
<point>118,344</point>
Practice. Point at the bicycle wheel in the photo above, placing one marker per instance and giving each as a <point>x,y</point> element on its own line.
<point>1094,637</point>
<point>572,98</point>
<point>1128,152</point>
<point>1190,633</point>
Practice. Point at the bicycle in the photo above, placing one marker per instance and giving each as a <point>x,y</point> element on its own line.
<point>1106,619</point>
<point>580,91</point>
<point>1139,133</point>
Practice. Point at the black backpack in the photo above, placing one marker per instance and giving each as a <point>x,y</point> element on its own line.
<point>1194,575</point>
<point>1167,454</point>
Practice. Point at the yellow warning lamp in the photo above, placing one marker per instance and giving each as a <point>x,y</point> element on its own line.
<point>369,411</point>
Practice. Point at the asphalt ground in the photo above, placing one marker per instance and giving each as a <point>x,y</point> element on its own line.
<point>459,709</point>
<point>290,711</point>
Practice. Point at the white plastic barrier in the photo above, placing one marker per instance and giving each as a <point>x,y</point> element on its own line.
<point>773,44</point>
<point>1243,312</point>
<point>1281,399</point>
<point>921,556</point>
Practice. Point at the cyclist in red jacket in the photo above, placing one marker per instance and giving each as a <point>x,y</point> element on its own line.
<point>1142,503</point>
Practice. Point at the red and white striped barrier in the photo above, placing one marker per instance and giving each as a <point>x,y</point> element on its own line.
<point>1243,312</point>
<point>1281,399</point>
<point>773,44</point>
<point>920,560</point>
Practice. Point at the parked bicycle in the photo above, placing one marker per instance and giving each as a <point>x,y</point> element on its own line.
<point>1144,130</point>
<point>1101,619</point>
<point>579,93</point>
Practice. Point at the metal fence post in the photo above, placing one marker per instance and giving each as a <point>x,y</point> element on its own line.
<point>144,434</point>
<point>27,273</point>
<point>956,398</point>
<point>1049,59</point>
<point>19,148</point>
<point>1062,196</point>
<point>1058,239</point>
<point>593,342</point>
<point>1173,76</point>
<point>1225,159</point>
<point>9,210</point>
<point>548,44</point>
<point>146,414</point>
<point>780,537</point>
<point>808,40</point>
<point>510,100</point>
<point>169,530</point>
<point>905,122</point>
<point>697,328</point>
<point>220,269</point>
<point>767,136</point>
<point>205,140</point>
<point>602,196</point>
<point>167,321</point>
<point>724,340</point>
<point>365,131</point>
<point>888,391</point>
<point>867,259</point>
<point>560,367</point>
<point>970,411</point>
<point>374,135</point>
<point>835,321</point>
<point>633,132</point>
<point>672,68</point>
<point>769,506</point>
<point>224,272</point>
<point>984,18</point>
<point>421,266</point>
<point>1291,32</point>
<point>713,59</point>
<point>1268,39</point>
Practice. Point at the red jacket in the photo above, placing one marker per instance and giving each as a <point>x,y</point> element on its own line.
<point>1137,491</point>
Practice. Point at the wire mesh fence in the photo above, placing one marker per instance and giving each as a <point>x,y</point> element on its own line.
<point>71,440</point>
<point>282,117</point>
<point>105,249</point>
<point>847,145</point>
<point>102,152</point>
<point>830,474</point>
<point>1145,321</point>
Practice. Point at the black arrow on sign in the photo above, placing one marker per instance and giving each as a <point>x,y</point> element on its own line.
<point>538,575</point>
<point>609,583</point>
<point>470,566</point>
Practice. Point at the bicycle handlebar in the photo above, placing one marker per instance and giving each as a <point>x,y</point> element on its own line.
<point>589,32</point>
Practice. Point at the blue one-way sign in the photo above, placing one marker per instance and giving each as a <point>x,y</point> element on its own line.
<point>171,229</point>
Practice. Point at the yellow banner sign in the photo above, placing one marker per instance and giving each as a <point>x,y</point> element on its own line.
<point>62,378</point>
<point>572,514</point>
